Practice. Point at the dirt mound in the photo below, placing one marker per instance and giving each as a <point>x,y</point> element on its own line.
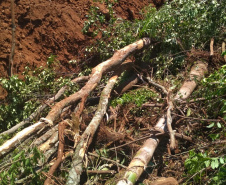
<point>50,27</point>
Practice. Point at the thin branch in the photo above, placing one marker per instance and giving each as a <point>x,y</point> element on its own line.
<point>162,88</point>
<point>59,154</point>
<point>106,159</point>
<point>11,56</point>
<point>211,46</point>
<point>223,50</point>
<point>169,125</point>
<point>201,119</point>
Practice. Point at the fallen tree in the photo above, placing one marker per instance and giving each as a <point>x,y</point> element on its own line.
<point>95,78</point>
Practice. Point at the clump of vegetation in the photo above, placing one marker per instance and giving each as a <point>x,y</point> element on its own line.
<point>24,96</point>
<point>22,165</point>
<point>138,97</point>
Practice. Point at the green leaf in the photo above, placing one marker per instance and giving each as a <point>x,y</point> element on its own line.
<point>215,164</point>
<point>210,126</point>
<point>219,125</point>
<point>221,160</point>
<point>17,156</point>
<point>223,53</point>
<point>207,163</point>
<point>188,112</point>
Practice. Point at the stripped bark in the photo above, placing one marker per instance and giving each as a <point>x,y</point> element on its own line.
<point>45,136</point>
<point>87,136</point>
<point>145,153</point>
<point>197,72</point>
<point>49,143</point>
<point>142,157</point>
<point>95,77</point>
<point>41,108</point>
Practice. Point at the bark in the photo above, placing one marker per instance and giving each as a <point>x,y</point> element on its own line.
<point>87,136</point>
<point>144,155</point>
<point>97,72</point>
<point>95,77</point>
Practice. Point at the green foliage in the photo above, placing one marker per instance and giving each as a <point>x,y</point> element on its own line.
<point>24,96</point>
<point>22,166</point>
<point>138,96</point>
<point>200,165</point>
<point>96,20</point>
<point>176,27</point>
<point>214,87</point>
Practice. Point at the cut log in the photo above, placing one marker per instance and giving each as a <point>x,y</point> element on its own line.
<point>197,72</point>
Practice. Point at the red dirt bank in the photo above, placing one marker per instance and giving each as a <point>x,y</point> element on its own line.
<point>45,27</point>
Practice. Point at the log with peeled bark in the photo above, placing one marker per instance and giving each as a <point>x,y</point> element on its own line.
<point>197,72</point>
<point>145,153</point>
<point>95,77</point>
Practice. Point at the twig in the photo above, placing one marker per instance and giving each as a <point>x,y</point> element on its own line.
<point>145,137</point>
<point>101,171</point>
<point>165,92</point>
<point>106,159</point>
<point>152,105</point>
<point>11,56</point>
<point>214,120</point>
<point>211,47</point>
<point>169,124</point>
<point>59,154</point>
<point>223,50</point>
<point>201,99</point>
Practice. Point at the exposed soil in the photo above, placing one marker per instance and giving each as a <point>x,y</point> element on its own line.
<point>51,27</point>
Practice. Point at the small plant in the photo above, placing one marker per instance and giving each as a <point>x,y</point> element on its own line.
<point>22,165</point>
<point>138,97</point>
<point>202,166</point>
